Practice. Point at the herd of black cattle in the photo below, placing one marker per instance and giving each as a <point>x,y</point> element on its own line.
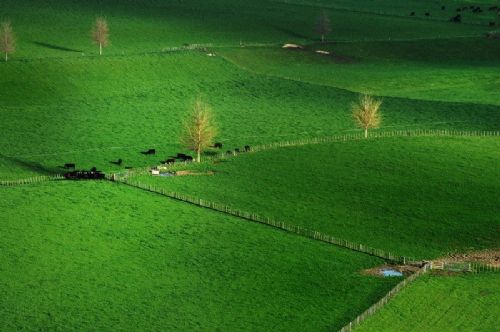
<point>458,17</point>
<point>94,174</point>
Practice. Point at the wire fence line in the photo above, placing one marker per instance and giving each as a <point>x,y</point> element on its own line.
<point>473,267</point>
<point>331,139</point>
<point>35,179</point>
<point>267,221</point>
<point>383,301</point>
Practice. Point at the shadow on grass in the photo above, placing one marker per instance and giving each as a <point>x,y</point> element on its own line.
<point>292,33</point>
<point>55,47</point>
<point>31,166</point>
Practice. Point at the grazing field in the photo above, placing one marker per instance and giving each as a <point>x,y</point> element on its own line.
<point>429,69</point>
<point>419,196</point>
<point>442,303</point>
<point>93,111</point>
<point>102,256</point>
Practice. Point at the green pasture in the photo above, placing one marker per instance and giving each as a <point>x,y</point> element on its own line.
<point>456,70</point>
<point>442,303</point>
<point>59,103</point>
<point>419,196</point>
<point>93,111</point>
<point>104,256</point>
<point>61,28</point>
<point>101,256</point>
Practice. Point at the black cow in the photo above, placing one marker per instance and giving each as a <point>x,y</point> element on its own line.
<point>84,175</point>
<point>181,156</point>
<point>218,145</point>
<point>229,152</point>
<point>443,7</point>
<point>412,14</point>
<point>69,165</point>
<point>170,161</point>
<point>237,150</point>
<point>188,158</point>
<point>427,14</point>
<point>118,162</point>
<point>247,148</point>
<point>492,24</point>
<point>457,18</point>
<point>150,151</point>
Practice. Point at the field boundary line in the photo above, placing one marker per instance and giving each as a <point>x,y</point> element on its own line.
<point>326,140</point>
<point>254,217</point>
<point>34,179</point>
<point>466,266</point>
<point>383,301</point>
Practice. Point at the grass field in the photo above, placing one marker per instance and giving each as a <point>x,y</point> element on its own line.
<point>102,256</point>
<point>442,303</point>
<point>80,256</point>
<point>72,108</point>
<point>410,196</point>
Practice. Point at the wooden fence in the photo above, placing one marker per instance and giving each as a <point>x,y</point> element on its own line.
<point>35,179</point>
<point>383,301</point>
<point>267,221</point>
<point>473,267</point>
<point>332,139</point>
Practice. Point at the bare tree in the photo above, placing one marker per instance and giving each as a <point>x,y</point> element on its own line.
<point>7,39</point>
<point>323,26</point>
<point>199,129</point>
<point>366,112</point>
<point>100,33</point>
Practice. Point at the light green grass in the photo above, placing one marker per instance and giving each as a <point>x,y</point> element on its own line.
<point>420,197</point>
<point>442,303</point>
<point>101,256</point>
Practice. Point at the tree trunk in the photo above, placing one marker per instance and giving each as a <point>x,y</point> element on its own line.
<point>100,48</point>
<point>6,56</point>
<point>199,155</point>
<point>366,132</point>
<point>323,38</point>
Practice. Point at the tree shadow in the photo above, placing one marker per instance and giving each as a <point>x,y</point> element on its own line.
<point>292,33</point>
<point>31,166</point>
<point>55,47</point>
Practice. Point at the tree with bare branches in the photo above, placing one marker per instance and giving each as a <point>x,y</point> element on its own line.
<point>199,129</point>
<point>100,33</point>
<point>323,26</point>
<point>366,112</point>
<point>7,39</point>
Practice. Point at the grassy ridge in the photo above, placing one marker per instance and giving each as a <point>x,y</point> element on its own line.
<point>409,196</point>
<point>102,256</point>
<point>423,69</point>
<point>441,303</point>
<point>93,111</point>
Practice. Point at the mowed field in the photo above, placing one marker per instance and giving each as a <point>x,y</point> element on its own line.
<point>102,256</point>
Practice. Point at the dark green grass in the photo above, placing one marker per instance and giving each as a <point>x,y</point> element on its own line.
<point>102,256</point>
<point>419,197</point>
<point>93,111</point>
<point>62,28</point>
<point>442,303</point>
<point>57,106</point>
<point>460,69</point>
